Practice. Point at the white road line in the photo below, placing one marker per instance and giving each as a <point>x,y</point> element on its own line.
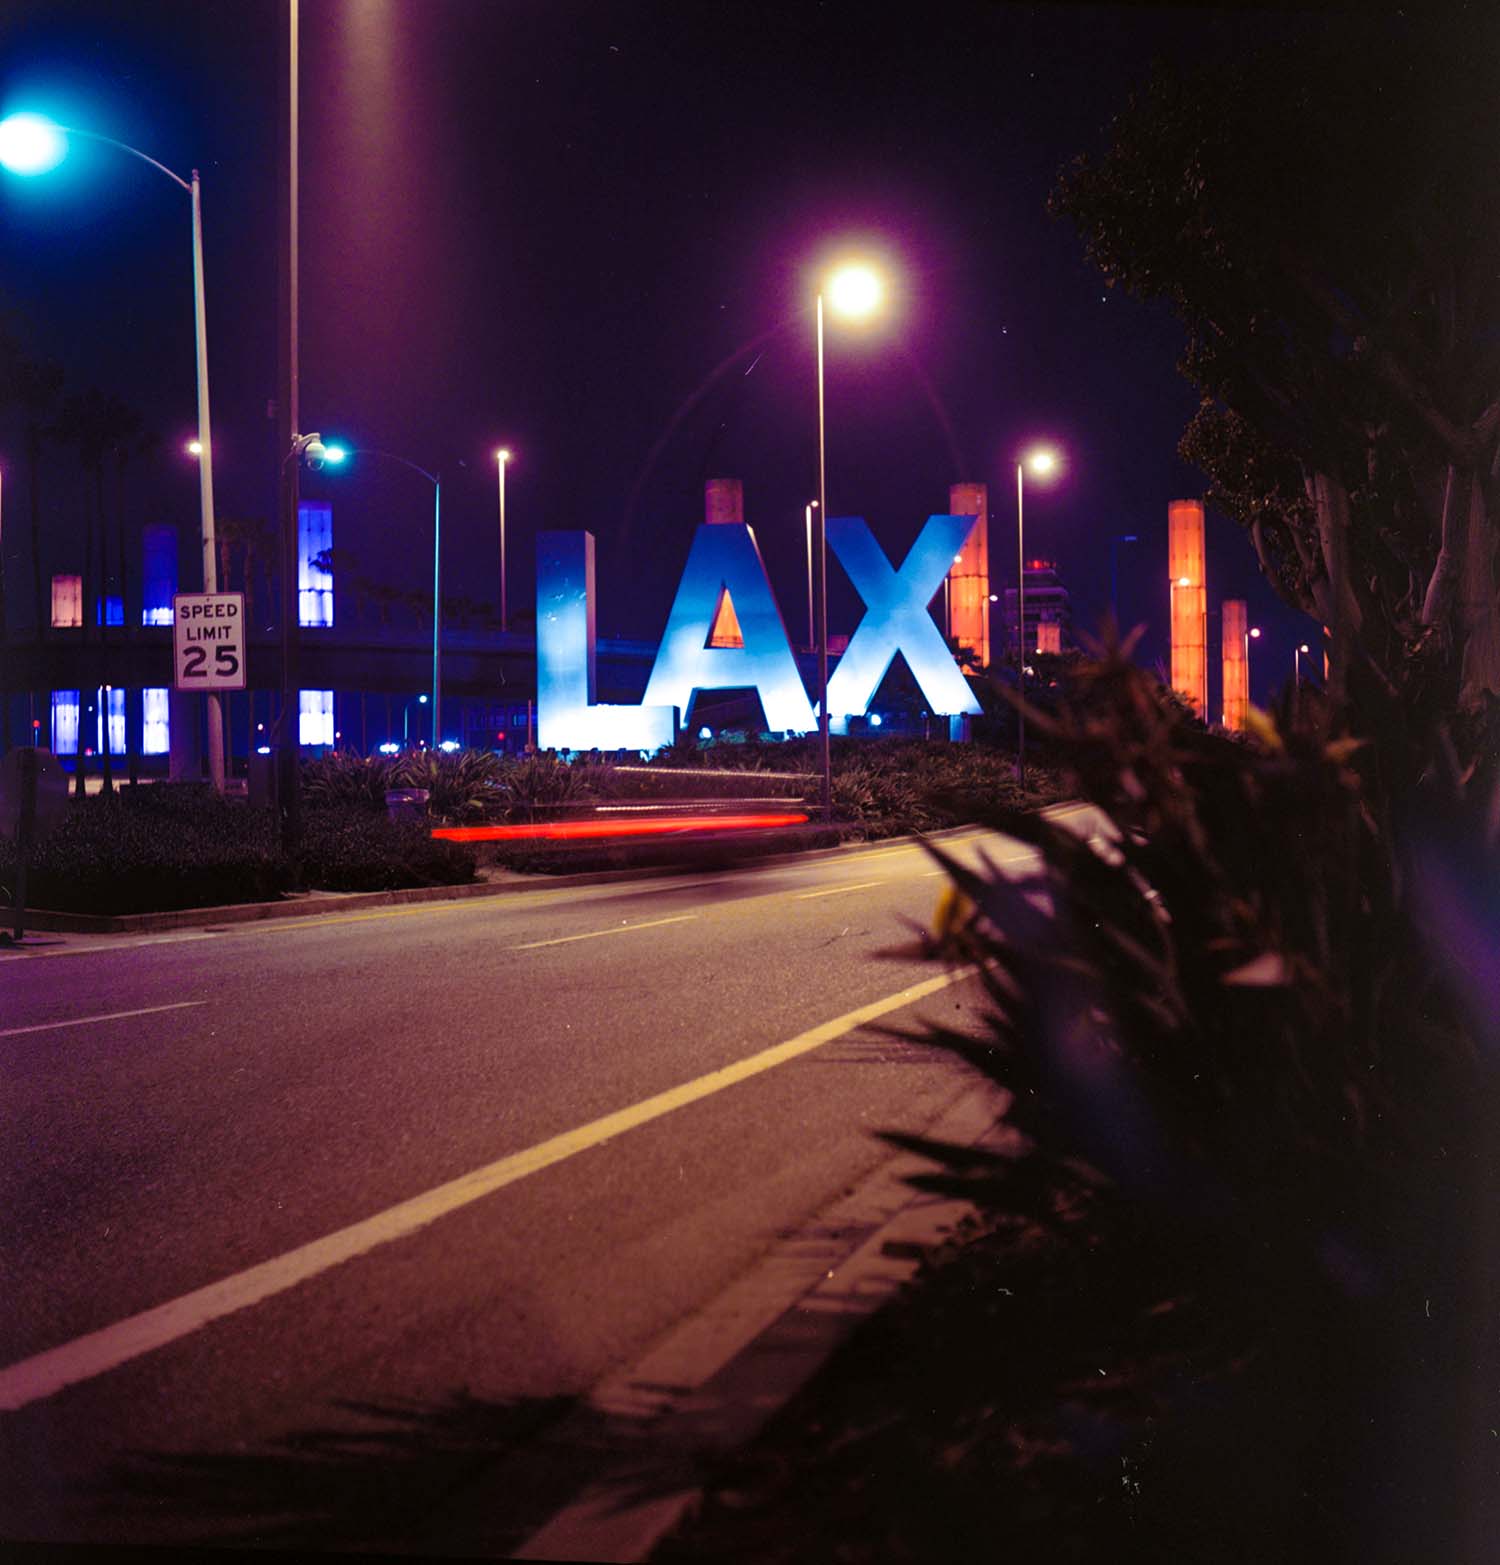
<point>44,1374</point>
<point>108,1016</point>
<point>833,891</point>
<point>594,934</point>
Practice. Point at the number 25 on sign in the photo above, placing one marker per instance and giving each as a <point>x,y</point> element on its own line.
<point>208,640</point>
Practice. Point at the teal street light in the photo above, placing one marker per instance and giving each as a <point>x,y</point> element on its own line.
<point>334,455</point>
<point>1043,463</point>
<point>854,291</point>
<point>32,144</point>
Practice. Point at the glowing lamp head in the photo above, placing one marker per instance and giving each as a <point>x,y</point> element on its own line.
<point>1303,647</point>
<point>1183,581</point>
<point>854,292</point>
<point>334,454</point>
<point>31,144</point>
<point>1255,631</point>
<point>1042,463</point>
<point>502,456</point>
<point>194,448</point>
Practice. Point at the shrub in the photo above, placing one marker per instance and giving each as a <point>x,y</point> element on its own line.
<point>1242,1074</point>
<point>464,785</point>
<point>543,780</point>
<point>357,850</point>
<point>154,849</point>
<point>342,777</point>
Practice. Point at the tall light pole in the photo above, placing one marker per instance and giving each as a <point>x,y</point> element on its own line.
<point>1042,463</point>
<point>854,292</point>
<point>502,461</point>
<point>32,144</point>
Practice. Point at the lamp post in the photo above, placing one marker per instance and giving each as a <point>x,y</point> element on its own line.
<point>1042,462</point>
<point>31,144</point>
<point>1297,652</point>
<point>502,461</point>
<point>854,292</point>
<point>337,454</point>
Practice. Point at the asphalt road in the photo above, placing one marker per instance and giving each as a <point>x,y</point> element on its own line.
<point>303,1222</point>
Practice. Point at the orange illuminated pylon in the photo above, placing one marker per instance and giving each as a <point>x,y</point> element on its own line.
<point>1188,597</point>
<point>1236,650</point>
<point>969,579</point>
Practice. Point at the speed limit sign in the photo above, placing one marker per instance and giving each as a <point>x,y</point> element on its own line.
<point>208,640</point>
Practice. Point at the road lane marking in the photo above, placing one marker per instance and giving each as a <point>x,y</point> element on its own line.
<point>594,934</point>
<point>833,891</point>
<point>107,1016</point>
<point>45,1374</point>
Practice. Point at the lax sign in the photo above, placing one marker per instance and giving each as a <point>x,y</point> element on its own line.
<point>725,558</point>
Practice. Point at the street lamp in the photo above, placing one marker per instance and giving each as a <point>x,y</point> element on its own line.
<point>854,291</point>
<point>31,144</point>
<point>337,454</point>
<point>1042,463</point>
<point>502,461</point>
<point>1297,663</point>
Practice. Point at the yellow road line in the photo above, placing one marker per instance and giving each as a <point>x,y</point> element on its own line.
<point>44,1374</point>
<point>833,891</point>
<point>107,1016</point>
<point>595,934</point>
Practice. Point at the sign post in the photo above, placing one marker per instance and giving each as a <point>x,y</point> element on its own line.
<point>33,799</point>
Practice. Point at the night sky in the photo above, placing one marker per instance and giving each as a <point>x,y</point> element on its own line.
<point>591,230</point>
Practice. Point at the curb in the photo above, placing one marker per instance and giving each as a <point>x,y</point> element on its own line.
<point>712,1383</point>
<point>310,904</point>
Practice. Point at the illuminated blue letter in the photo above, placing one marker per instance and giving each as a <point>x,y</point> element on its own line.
<point>896,617</point>
<point>567,718</point>
<point>723,558</point>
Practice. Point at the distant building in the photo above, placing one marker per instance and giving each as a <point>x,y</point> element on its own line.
<point>1049,611</point>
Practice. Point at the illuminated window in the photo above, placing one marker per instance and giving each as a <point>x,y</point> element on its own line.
<point>158,574</point>
<point>156,720</point>
<point>109,610</point>
<point>113,699</point>
<point>315,717</point>
<point>67,604</point>
<point>65,721</point>
<point>314,585</point>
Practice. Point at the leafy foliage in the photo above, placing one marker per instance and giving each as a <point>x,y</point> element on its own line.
<point>353,850</point>
<point>1232,1049</point>
<point>153,849</point>
<point>344,778</point>
<point>463,785</point>
<point>1321,223</point>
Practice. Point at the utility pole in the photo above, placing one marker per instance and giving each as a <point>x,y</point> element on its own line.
<point>289,464</point>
